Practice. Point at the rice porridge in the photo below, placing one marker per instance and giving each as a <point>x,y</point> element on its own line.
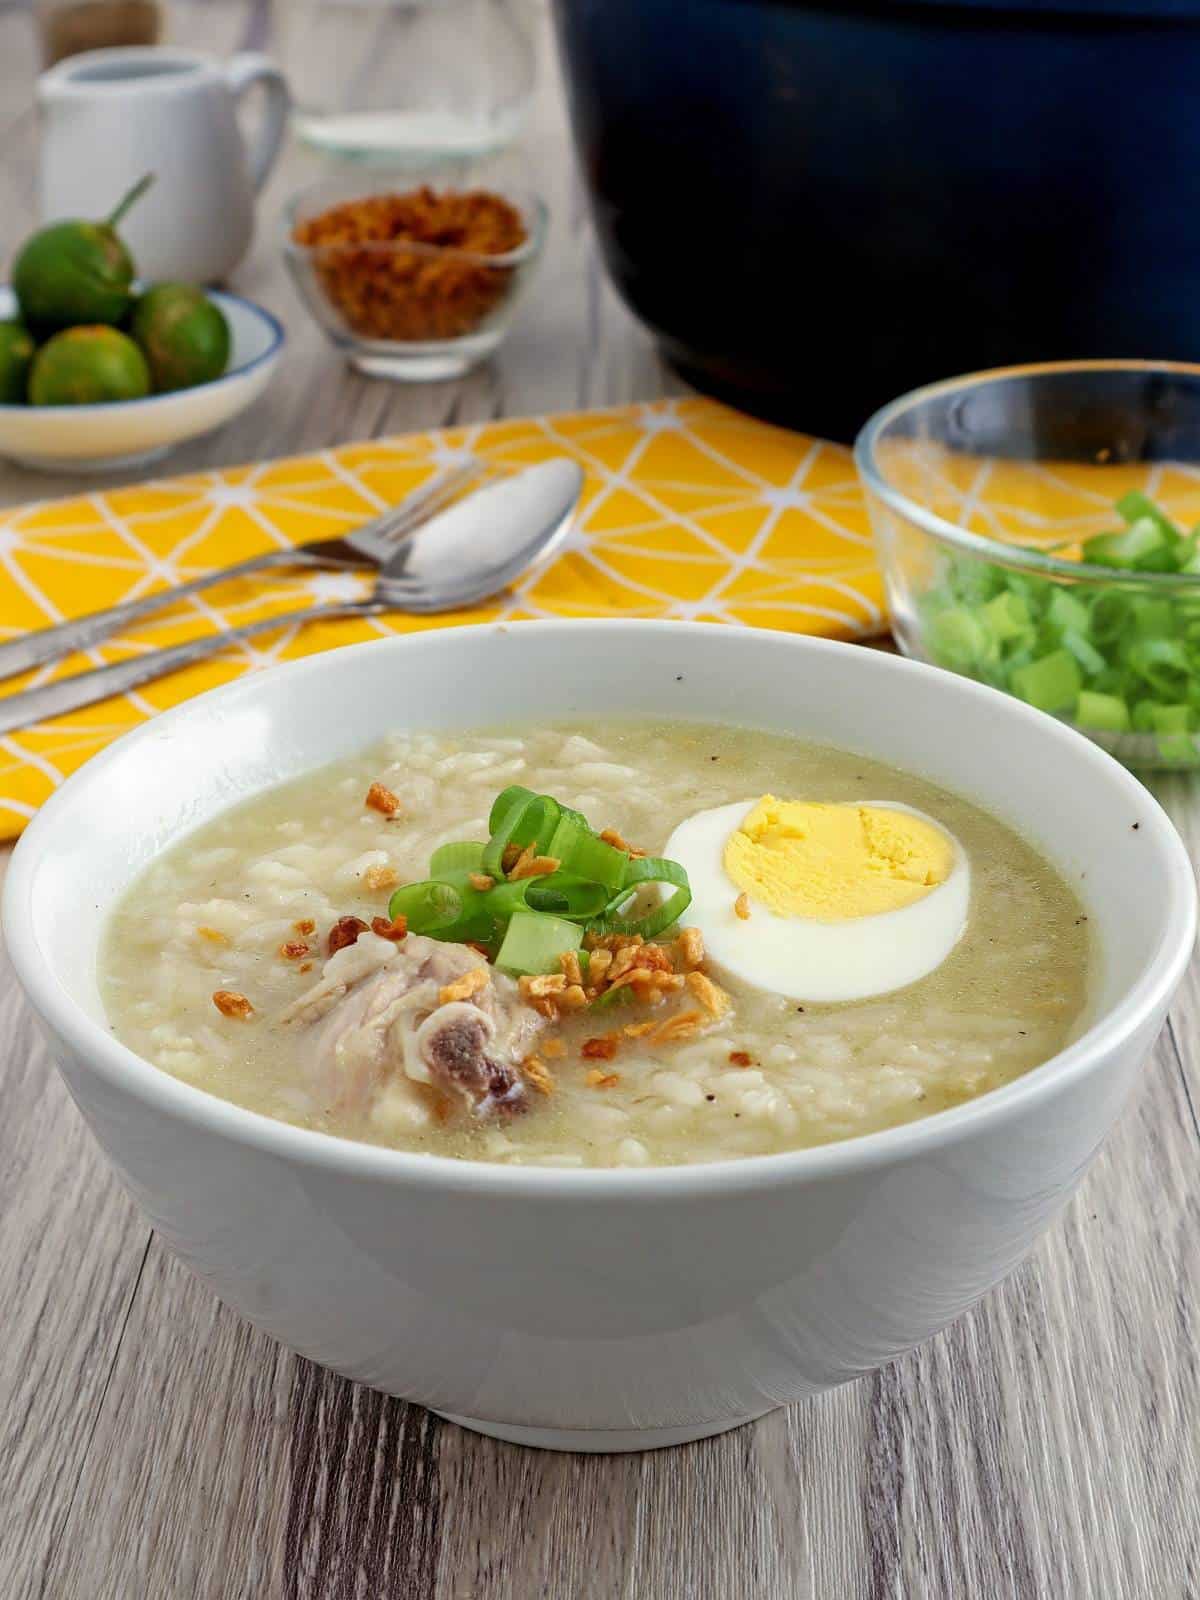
<point>867,953</point>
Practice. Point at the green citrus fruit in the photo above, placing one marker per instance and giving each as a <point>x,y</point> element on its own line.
<point>185,337</point>
<point>77,272</point>
<point>16,357</point>
<point>71,273</point>
<point>88,366</point>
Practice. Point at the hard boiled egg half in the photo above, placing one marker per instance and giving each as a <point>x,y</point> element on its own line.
<point>836,901</point>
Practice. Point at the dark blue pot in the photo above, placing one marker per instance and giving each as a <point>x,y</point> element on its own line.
<point>816,207</point>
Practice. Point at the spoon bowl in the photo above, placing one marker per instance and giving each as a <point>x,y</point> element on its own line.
<point>483,543</point>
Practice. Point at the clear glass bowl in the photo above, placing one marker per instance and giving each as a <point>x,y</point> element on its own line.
<point>980,491</point>
<point>412,312</point>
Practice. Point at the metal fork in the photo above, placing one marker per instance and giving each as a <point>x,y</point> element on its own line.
<point>468,553</point>
<point>362,549</point>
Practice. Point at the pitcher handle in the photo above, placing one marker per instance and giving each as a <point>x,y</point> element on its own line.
<point>242,73</point>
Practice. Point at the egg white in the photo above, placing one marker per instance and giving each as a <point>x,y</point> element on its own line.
<point>804,958</point>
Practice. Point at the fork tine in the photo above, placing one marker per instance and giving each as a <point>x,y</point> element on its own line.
<point>461,472</point>
<point>433,498</point>
<point>414,504</point>
<point>418,508</point>
<point>394,521</point>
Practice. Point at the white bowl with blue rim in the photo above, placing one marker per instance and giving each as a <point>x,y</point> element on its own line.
<point>126,433</point>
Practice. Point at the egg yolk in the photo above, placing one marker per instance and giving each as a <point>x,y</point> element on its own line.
<point>802,858</point>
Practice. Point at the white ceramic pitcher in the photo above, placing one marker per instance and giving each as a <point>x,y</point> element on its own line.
<point>110,115</point>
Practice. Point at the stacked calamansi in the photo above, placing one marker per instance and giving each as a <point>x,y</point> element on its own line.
<point>74,285</point>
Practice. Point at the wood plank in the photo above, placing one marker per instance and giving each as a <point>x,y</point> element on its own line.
<point>19,65</point>
<point>1046,1444</point>
<point>1179,793</point>
<point>71,1249</point>
<point>181,1491</point>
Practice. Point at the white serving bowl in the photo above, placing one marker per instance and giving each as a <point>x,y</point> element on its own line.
<point>126,433</point>
<point>612,1309</point>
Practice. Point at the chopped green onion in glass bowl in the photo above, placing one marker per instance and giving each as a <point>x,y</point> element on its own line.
<point>1039,530</point>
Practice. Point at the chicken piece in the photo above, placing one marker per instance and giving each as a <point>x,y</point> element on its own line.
<point>377,1019</point>
<point>345,968</point>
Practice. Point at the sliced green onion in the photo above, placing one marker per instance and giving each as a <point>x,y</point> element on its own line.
<point>1137,507</point>
<point>567,895</point>
<point>1163,663</point>
<point>589,889</point>
<point>518,817</point>
<point>503,801</point>
<point>427,906</point>
<point>1088,657</point>
<point>1110,615</point>
<point>444,910</point>
<point>591,857</point>
<point>1008,617</point>
<point>533,943</point>
<point>643,871</point>
<point>448,858</point>
<point>1170,718</point>
<point>523,834</point>
<point>1052,683</point>
<point>571,829</point>
<point>1150,616</point>
<point>1107,712</point>
<point>1142,543</point>
<point>978,582</point>
<point>959,638</point>
<point>562,894</point>
<point>508,895</point>
<point>654,869</point>
<point>576,821</point>
<point>1111,681</point>
<point>1066,610</point>
<point>1142,716</point>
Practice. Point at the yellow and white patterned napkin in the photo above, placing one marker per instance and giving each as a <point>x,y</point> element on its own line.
<point>691,510</point>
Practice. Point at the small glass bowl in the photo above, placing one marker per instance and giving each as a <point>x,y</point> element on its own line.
<point>981,490</point>
<point>407,311</point>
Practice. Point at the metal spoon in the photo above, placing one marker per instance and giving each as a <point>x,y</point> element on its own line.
<point>362,548</point>
<point>457,559</point>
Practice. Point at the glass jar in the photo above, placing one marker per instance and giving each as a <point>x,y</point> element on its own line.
<point>407,81</point>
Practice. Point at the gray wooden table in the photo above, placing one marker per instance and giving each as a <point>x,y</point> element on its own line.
<point>152,1446</point>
